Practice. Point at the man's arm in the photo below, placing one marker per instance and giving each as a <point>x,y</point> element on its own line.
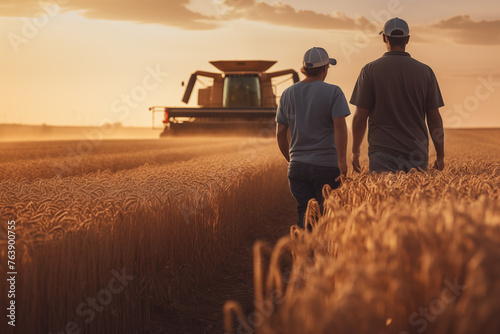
<point>340,130</point>
<point>435,123</point>
<point>282,138</point>
<point>358,133</point>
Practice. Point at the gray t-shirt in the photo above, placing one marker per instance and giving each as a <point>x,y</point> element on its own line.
<point>309,110</point>
<point>398,91</point>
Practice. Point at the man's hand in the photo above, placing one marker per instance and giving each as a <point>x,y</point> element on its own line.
<point>355,162</point>
<point>439,164</point>
<point>435,123</point>
<point>343,170</point>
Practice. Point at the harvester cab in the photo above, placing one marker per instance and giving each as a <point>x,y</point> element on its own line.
<point>242,98</point>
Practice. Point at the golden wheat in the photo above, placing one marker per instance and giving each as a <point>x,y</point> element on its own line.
<point>169,225</point>
<point>391,253</point>
<point>30,161</point>
<point>383,249</point>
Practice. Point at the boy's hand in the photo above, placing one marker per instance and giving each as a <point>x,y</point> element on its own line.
<point>343,170</point>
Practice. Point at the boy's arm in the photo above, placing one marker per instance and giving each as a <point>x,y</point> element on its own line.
<point>340,130</point>
<point>282,138</point>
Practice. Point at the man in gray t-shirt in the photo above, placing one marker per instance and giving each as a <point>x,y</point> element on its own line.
<point>397,94</point>
<point>314,112</point>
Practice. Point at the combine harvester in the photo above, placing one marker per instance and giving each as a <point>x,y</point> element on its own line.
<point>242,99</point>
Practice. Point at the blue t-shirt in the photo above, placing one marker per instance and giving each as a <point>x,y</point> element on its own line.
<point>309,110</point>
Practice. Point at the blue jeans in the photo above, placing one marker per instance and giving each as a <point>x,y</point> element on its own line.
<point>307,181</point>
<point>381,162</point>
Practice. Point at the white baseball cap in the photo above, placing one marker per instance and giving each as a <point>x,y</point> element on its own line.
<point>317,57</point>
<point>396,24</point>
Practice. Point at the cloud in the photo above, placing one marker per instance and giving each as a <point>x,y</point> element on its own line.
<point>19,8</point>
<point>285,15</point>
<point>164,12</point>
<point>483,72</point>
<point>463,30</point>
<point>176,13</point>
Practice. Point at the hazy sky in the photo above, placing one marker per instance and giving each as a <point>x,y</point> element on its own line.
<point>72,62</point>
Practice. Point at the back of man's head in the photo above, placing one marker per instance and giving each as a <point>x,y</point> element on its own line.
<point>397,32</point>
<point>397,39</point>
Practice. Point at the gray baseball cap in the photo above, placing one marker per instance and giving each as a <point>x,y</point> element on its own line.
<point>317,57</point>
<point>396,24</point>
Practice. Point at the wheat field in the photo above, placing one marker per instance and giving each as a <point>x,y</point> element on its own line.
<point>163,214</point>
<point>391,253</point>
<point>110,237</point>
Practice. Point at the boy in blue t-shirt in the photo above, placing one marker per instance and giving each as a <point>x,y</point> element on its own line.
<point>314,112</point>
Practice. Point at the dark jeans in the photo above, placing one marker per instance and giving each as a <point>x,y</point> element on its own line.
<point>307,181</point>
<point>381,162</point>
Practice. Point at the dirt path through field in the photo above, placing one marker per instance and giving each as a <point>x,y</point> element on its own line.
<point>203,313</point>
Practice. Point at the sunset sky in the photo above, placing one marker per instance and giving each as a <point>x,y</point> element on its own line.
<point>84,62</point>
